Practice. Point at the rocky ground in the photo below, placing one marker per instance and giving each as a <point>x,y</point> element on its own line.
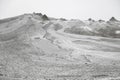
<point>37,47</point>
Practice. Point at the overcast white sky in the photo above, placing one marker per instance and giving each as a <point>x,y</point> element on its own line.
<point>77,9</point>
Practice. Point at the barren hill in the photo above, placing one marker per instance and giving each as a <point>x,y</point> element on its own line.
<point>38,47</point>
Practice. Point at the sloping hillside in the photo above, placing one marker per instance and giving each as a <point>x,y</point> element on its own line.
<point>38,47</point>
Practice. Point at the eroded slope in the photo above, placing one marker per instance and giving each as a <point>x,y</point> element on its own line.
<point>33,47</point>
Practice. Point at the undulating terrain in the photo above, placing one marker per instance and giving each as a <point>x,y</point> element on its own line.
<point>38,47</point>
